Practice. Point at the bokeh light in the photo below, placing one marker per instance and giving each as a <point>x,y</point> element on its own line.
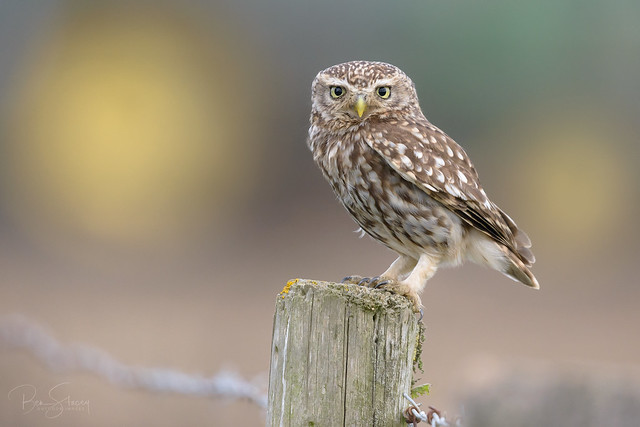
<point>575,175</point>
<point>128,126</point>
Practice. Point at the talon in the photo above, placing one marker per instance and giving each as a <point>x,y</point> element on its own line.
<point>384,282</point>
<point>421,315</point>
<point>352,280</point>
<point>364,281</point>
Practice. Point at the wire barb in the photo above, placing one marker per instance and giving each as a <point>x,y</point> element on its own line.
<point>435,418</point>
<point>414,415</point>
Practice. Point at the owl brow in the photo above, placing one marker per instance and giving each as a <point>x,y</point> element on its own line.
<point>385,82</point>
<point>334,81</point>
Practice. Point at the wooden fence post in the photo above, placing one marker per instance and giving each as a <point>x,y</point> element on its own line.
<point>341,355</point>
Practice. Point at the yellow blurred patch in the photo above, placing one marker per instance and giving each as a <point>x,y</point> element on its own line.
<point>574,178</point>
<point>130,128</point>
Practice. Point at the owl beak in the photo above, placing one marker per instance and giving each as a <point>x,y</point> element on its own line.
<point>360,105</point>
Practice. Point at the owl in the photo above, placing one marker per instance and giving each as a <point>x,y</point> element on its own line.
<point>405,182</point>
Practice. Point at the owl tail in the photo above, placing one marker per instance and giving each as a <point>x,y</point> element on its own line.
<point>515,268</point>
<point>519,257</point>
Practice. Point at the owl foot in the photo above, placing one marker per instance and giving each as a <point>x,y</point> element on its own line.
<point>353,280</point>
<point>390,285</point>
<point>404,290</point>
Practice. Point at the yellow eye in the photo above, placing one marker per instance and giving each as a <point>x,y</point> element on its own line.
<point>337,91</point>
<point>383,92</point>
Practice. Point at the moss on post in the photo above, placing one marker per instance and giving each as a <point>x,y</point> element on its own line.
<point>340,355</point>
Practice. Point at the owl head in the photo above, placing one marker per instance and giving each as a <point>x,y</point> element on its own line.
<point>358,90</point>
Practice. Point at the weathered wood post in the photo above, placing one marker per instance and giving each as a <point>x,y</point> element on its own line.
<point>341,355</point>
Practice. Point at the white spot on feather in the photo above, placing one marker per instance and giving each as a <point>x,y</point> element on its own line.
<point>449,151</point>
<point>406,161</point>
<point>440,176</point>
<point>418,154</point>
<point>439,161</point>
<point>333,151</point>
<point>453,190</point>
<point>462,177</point>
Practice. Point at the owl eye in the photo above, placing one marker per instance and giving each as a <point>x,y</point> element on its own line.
<point>337,91</point>
<point>383,92</point>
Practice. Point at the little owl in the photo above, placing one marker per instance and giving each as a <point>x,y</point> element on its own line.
<point>405,182</point>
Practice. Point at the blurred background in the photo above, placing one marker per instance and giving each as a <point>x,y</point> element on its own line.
<point>156,192</point>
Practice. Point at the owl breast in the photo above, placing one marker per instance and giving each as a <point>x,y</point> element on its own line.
<point>388,208</point>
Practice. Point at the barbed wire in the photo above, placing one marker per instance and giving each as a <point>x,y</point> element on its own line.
<point>434,418</point>
<point>18,332</point>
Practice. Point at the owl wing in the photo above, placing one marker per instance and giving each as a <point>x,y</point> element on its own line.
<point>425,156</point>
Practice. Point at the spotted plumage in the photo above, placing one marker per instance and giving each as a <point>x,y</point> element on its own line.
<point>405,182</point>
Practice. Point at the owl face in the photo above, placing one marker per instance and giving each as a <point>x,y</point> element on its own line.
<point>355,91</point>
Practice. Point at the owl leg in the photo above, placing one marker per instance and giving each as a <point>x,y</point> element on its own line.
<point>424,269</point>
<point>399,268</point>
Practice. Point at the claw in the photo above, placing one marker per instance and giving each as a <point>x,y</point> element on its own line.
<point>364,281</point>
<point>421,315</point>
<point>353,280</point>
<point>384,282</point>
